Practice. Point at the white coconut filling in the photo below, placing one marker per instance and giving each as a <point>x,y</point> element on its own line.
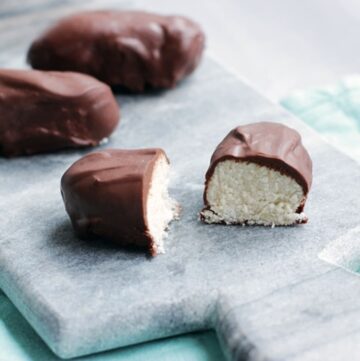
<point>240,192</point>
<point>104,141</point>
<point>161,209</point>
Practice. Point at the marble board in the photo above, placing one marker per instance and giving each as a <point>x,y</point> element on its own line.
<point>264,290</point>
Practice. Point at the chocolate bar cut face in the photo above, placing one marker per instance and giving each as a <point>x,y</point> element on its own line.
<point>132,49</point>
<point>122,196</point>
<point>260,174</point>
<point>47,111</point>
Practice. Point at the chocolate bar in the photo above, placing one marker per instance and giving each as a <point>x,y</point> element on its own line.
<point>132,49</point>
<point>260,174</point>
<point>121,196</point>
<point>47,111</point>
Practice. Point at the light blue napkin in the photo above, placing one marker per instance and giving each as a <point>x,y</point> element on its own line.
<point>334,111</point>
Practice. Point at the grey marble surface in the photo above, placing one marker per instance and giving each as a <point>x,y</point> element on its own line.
<point>263,290</point>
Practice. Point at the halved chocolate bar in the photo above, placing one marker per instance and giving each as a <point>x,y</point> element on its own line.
<point>259,174</point>
<point>122,196</point>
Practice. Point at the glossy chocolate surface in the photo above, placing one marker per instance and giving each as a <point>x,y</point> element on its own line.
<point>48,111</point>
<point>105,195</point>
<point>273,145</point>
<point>132,49</point>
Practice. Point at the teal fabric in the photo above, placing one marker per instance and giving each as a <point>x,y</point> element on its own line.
<point>18,342</point>
<point>333,111</point>
<point>344,251</point>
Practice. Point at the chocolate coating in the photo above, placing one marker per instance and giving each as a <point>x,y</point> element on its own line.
<point>272,145</point>
<point>127,48</point>
<point>105,195</point>
<point>48,111</point>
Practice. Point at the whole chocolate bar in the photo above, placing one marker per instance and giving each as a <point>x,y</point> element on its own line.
<point>259,174</point>
<point>132,49</point>
<point>48,111</point>
<point>120,195</point>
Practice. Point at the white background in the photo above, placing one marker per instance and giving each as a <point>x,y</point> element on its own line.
<point>278,45</point>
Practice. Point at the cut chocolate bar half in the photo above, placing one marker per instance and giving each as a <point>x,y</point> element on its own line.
<point>260,174</point>
<point>122,196</point>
